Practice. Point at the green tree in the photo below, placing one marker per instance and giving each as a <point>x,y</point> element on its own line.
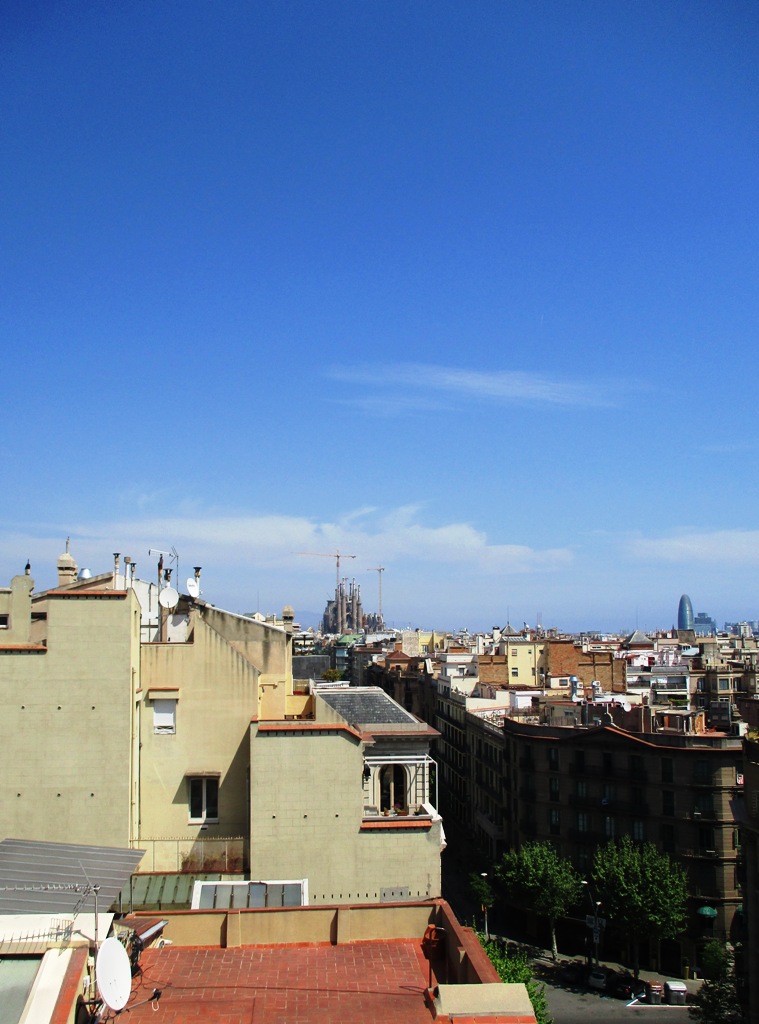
<point>482,890</point>
<point>537,878</point>
<point>641,890</point>
<point>717,999</point>
<point>332,675</point>
<point>514,968</point>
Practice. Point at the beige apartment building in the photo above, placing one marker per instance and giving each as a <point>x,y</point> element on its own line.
<point>197,746</point>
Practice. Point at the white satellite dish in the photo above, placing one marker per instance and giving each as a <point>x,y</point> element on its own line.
<point>192,587</point>
<point>168,598</point>
<point>114,974</point>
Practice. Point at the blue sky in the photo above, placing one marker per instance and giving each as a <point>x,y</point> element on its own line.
<point>466,289</point>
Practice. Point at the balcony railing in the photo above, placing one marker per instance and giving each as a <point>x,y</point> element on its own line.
<point>706,854</point>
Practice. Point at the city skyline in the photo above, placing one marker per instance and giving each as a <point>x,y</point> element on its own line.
<point>467,292</point>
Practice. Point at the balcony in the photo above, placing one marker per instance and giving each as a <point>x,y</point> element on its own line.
<point>703,854</point>
<point>420,819</point>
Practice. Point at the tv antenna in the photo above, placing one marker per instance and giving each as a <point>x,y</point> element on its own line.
<point>164,572</point>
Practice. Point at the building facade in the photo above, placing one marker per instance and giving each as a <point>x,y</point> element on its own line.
<point>195,745</point>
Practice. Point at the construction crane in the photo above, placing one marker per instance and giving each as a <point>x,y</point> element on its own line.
<point>379,569</point>
<point>322,554</point>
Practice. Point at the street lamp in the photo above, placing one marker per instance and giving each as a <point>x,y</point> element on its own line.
<point>484,875</point>
<point>596,906</point>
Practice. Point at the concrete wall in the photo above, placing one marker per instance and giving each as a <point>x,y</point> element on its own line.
<point>330,924</point>
<point>16,604</point>
<point>65,723</point>
<point>306,822</point>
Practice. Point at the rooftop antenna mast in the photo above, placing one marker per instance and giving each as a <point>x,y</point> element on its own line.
<point>379,569</point>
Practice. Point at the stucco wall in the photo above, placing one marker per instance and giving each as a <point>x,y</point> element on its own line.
<point>306,816</point>
<point>217,692</point>
<point>65,723</point>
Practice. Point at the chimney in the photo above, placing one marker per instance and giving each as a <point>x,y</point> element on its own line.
<point>67,567</point>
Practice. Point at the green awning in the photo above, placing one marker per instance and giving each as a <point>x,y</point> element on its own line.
<point>707,912</point>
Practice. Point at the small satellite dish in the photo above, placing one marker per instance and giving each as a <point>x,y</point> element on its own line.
<point>114,974</point>
<point>168,598</point>
<point>192,587</point>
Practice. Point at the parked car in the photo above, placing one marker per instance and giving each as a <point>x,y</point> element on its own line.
<point>597,978</point>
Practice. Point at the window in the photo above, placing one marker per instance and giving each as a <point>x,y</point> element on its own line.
<point>668,838</point>
<point>703,805</point>
<point>394,787</point>
<point>555,821</point>
<point>608,762</point>
<point>706,840</point>
<point>165,716</point>
<point>579,760</point>
<point>666,770</point>
<point>553,758</point>
<point>609,827</point>
<point>553,788</point>
<point>582,790</point>
<point>636,765</point>
<point>724,684</point>
<point>636,796</point>
<point>668,803</point>
<point>583,823</point>
<point>515,672</point>
<point>514,653</point>
<point>204,799</point>
<point>702,772</point>
<point>638,831</point>
<point>608,793</point>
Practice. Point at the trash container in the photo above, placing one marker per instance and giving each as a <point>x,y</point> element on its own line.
<point>653,993</point>
<point>676,993</point>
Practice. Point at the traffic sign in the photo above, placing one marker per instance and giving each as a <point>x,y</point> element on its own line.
<point>591,921</point>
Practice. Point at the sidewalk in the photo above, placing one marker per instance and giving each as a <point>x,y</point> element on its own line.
<point>543,957</point>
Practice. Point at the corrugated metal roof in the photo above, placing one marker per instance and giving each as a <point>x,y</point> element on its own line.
<point>53,877</point>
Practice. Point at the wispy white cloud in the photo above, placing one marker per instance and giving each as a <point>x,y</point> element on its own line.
<point>718,547</point>
<point>397,536</point>
<point>413,387</point>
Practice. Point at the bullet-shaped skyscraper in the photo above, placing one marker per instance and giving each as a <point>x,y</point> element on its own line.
<point>685,613</point>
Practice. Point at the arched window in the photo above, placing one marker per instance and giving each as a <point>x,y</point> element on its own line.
<point>393,787</point>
